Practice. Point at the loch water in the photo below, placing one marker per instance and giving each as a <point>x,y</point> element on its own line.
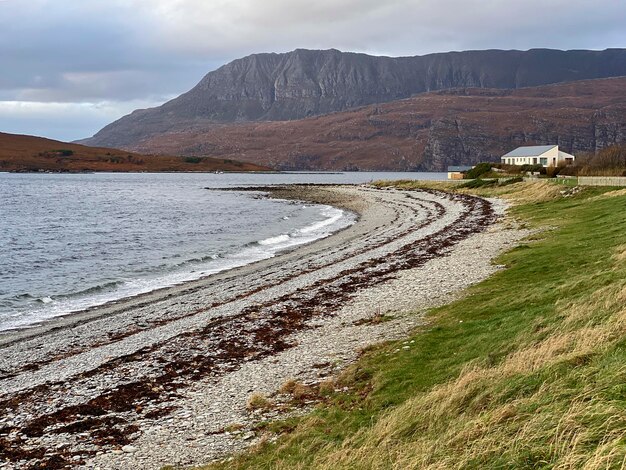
<point>73,241</point>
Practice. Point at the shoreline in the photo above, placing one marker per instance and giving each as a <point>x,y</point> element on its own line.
<point>69,319</point>
<point>165,373</point>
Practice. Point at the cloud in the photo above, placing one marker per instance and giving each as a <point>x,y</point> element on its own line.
<point>121,51</point>
<point>395,27</point>
<point>63,121</point>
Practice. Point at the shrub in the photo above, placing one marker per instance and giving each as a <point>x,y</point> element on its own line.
<point>478,170</point>
<point>193,159</point>
<point>610,161</point>
<point>65,152</point>
<point>552,171</point>
<point>478,183</point>
<point>531,168</point>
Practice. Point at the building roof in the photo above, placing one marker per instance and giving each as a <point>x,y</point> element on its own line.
<point>530,151</point>
<point>460,168</point>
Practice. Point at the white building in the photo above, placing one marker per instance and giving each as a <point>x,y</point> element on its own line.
<point>545,155</point>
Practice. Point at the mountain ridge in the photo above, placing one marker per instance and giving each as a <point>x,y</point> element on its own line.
<point>304,83</point>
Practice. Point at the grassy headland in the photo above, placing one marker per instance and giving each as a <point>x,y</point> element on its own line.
<point>527,371</point>
<point>25,153</point>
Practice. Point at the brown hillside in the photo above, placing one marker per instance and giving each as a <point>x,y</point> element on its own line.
<point>306,83</point>
<point>28,153</point>
<point>426,132</point>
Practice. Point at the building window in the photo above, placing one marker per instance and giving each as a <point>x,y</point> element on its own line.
<point>543,161</point>
<point>534,160</point>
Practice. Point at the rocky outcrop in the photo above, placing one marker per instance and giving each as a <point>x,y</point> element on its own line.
<point>305,83</point>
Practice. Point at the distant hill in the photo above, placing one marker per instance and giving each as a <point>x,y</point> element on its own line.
<point>426,132</point>
<point>29,153</point>
<point>304,83</point>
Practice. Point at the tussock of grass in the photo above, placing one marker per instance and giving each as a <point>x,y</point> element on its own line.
<point>524,193</point>
<point>302,392</point>
<point>517,192</point>
<point>615,193</point>
<point>326,387</point>
<point>288,386</point>
<point>527,371</point>
<point>258,401</point>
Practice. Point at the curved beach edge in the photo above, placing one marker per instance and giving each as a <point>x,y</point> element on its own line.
<point>166,375</point>
<point>313,194</point>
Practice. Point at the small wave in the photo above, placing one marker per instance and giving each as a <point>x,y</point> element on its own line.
<point>23,296</point>
<point>93,290</point>
<point>183,271</point>
<point>333,215</point>
<point>202,259</point>
<point>275,240</point>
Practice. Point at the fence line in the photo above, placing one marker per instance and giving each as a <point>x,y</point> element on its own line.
<point>602,180</point>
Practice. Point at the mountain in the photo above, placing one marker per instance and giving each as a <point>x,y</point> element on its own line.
<point>29,153</point>
<point>427,132</point>
<point>304,83</point>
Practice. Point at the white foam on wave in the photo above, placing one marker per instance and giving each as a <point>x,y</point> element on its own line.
<point>334,220</point>
<point>275,240</point>
<point>333,215</point>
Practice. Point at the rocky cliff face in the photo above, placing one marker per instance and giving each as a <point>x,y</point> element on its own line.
<point>427,132</point>
<point>304,83</point>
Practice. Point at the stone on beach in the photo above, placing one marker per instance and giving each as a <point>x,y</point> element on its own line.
<point>173,387</point>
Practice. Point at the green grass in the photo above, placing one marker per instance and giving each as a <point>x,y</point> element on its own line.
<point>527,371</point>
<point>570,182</point>
<point>482,183</point>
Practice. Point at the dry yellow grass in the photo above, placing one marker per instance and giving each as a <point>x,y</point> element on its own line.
<point>620,253</point>
<point>522,193</point>
<point>288,386</point>
<point>553,394</point>
<point>517,193</point>
<point>326,387</point>
<point>615,193</point>
<point>258,401</point>
<point>455,424</point>
<point>302,391</point>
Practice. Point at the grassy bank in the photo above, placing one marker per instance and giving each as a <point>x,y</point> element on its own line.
<point>527,371</point>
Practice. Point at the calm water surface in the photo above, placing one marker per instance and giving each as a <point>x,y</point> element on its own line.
<point>68,242</point>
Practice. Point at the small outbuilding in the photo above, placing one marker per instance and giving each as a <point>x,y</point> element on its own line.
<point>457,172</point>
<point>544,155</point>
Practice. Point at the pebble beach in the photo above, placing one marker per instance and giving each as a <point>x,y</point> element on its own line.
<point>164,378</point>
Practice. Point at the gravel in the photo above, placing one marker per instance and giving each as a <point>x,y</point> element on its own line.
<point>164,378</point>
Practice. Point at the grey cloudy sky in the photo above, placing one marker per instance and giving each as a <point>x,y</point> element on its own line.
<point>71,66</point>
